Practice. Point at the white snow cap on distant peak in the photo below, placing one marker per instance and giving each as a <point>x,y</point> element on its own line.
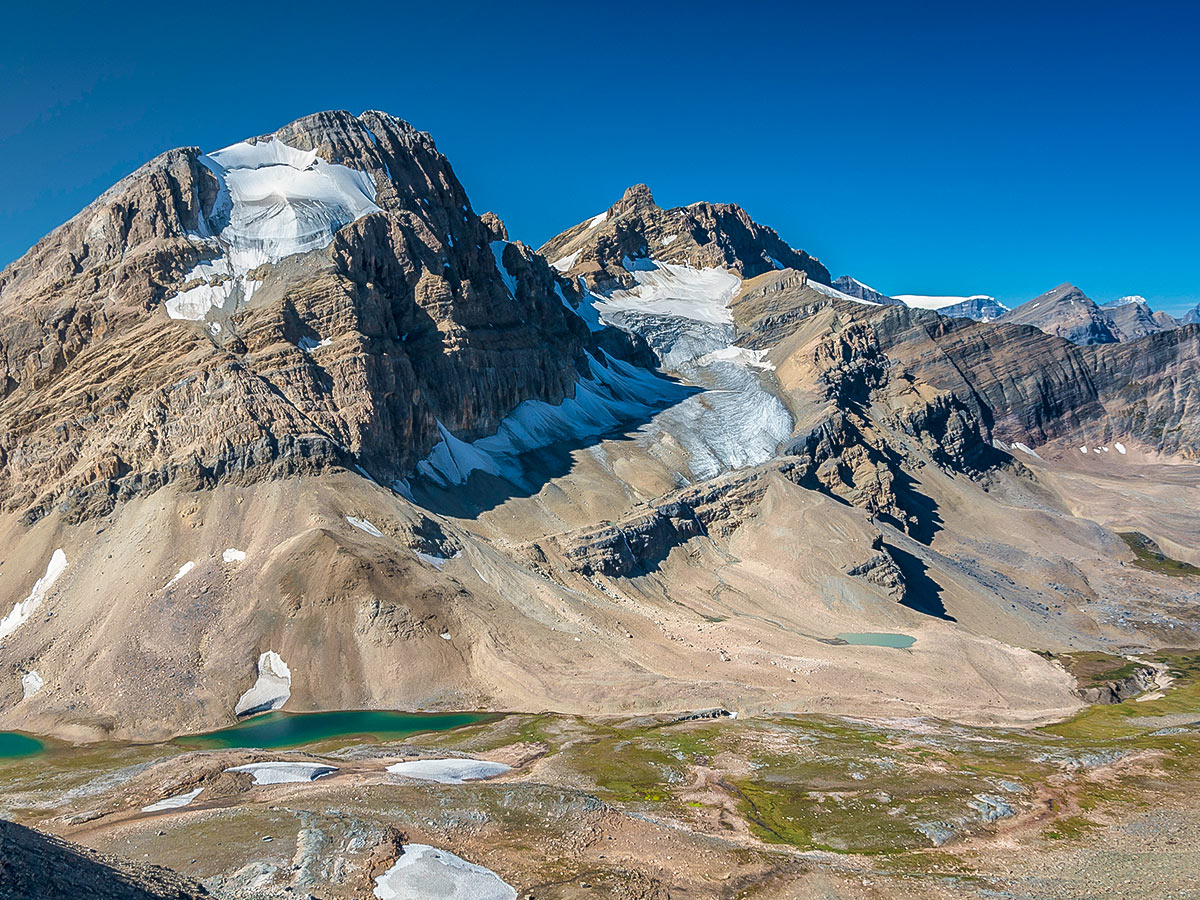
<point>925,301</point>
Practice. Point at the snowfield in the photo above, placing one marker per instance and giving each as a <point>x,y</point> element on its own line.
<point>924,301</point>
<point>23,610</point>
<point>449,771</point>
<point>423,872</point>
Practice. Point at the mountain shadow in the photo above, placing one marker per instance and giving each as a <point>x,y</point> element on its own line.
<point>921,594</point>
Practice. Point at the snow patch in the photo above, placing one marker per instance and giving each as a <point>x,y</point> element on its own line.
<point>176,802</point>
<point>31,683</point>
<point>742,356</point>
<point>271,690</point>
<point>424,872</point>
<point>308,345</point>
<point>1120,448</point>
<point>449,771</point>
<point>669,289</point>
<point>598,220</point>
<point>434,560</point>
<point>183,570</point>
<point>22,611</point>
<point>669,240</point>
<point>1025,448</point>
<point>509,281</point>
<point>567,261</point>
<point>233,555</point>
<point>364,525</point>
<point>284,772</point>
<point>1083,449</point>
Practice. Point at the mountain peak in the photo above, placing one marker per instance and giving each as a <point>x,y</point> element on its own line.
<point>636,197</point>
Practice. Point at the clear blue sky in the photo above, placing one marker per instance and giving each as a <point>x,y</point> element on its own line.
<point>961,147</point>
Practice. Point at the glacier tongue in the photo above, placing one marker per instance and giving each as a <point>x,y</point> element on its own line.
<point>274,201</point>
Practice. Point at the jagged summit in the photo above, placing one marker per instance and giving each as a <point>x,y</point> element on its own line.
<point>702,235</point>
<point>335,301</point>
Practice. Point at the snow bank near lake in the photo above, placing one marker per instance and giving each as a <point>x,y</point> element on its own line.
<point>23,610</point>
<point>364,525</point>
<point>449,771</point>
<point>271,690</point>
<point>284,772</point>
<point>176,802</point>
<point>423,872</point>
<point>31,683</point>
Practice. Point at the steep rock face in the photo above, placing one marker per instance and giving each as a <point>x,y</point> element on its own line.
<point>702,235</point>
<point>39,866</point>
<point>350,353</point>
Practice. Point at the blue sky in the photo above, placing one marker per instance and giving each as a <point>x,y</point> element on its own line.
<point>970,147</point>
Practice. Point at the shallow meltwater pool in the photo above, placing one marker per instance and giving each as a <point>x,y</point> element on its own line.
<point>14,745</point>
<point>280,729</point>
<point>879,639</point>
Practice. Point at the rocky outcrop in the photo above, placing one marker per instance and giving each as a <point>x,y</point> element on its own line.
<point>39,866</point>
<point>703,235</point>
<point>349,355</point>
<point>1120,690</point>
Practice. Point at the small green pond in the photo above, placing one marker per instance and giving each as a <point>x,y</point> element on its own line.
<point>13,745</point>
<point>879,639</point>
<point>281,729</point>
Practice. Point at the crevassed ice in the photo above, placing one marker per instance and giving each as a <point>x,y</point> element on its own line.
<point>274,201</point>
<point>23,610</point>
<point>683,313</point>
<point>616,393</point>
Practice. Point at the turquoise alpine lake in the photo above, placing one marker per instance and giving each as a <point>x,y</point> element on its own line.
<point>879,639</point>
<point>280,729</point>
<point>14,745</point>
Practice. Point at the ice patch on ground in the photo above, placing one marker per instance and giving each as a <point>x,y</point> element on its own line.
<point>836,294</point>
<point>423,872</point>
<point>273,201</point>
<point>1025,448</point>
<point>183,570</point>
<point>22,610</point>
<point>176,802</point>
<point>31,683</point>
<point>567,261</point>
<point>271,690</point>
<point>1120,448</point>
<point>233,555</point>
<point>510,281</point>
<point>284,772</point>
<point>449,771</point>
<point>364,525</point>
